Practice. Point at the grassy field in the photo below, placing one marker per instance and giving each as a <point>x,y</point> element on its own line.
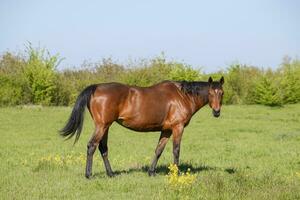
<point>250,152</point>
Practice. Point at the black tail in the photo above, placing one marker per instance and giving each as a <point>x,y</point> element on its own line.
<point>75,122</point>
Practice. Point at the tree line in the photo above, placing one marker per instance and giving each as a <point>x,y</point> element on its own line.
<point>32,77</point>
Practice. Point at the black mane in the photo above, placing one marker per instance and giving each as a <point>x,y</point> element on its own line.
<point>197,88</point>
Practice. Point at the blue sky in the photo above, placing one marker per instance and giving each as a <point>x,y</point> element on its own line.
<point>208,34</point>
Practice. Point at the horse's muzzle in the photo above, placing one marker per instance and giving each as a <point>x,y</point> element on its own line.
<point>216,113</point>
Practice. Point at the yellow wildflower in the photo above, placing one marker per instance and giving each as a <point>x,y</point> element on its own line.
<point>176,180</point>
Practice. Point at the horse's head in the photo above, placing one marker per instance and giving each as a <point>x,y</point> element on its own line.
<point>215,95</point>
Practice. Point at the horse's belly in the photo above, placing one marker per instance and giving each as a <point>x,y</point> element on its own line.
<point>139,125</point>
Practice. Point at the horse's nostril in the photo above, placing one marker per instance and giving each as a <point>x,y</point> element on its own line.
<point>216,113</point>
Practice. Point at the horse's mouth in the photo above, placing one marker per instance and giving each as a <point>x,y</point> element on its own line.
<point>216,113</point>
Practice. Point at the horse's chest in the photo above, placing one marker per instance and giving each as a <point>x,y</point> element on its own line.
<point>177,116</point>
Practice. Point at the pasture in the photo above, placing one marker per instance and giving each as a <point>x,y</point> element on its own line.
<point>250,152</point>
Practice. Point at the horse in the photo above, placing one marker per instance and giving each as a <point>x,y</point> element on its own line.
<point>166,107</point>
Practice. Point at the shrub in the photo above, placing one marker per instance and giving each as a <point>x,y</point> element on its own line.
<point>146,73</point>
<point>34,79</point>
<point>181,71</point>
<point>158,69</point>
<point>267,91</point>
<point>40,75</point>
<point>290,81</point>
<point>239,84</point>
<point>13,88</point>
<point>108,71</point>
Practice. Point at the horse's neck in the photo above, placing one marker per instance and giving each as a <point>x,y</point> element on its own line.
<point>199,100</point>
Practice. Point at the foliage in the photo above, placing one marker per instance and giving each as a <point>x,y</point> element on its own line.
<point>240,80</point>
<point>33,78</point>
<point>158,69</point>
<point>13,84</point>
<point>290,81</point>
<point>267,91</point>
<point>182,72</point>
<point>40,75</point>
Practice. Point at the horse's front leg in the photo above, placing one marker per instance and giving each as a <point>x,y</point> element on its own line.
<point>177,132</point>
<point>164,137</point>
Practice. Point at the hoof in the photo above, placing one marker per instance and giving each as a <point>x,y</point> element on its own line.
<point>151,173</point>
<point>111,174</point>
<point>88,176</point>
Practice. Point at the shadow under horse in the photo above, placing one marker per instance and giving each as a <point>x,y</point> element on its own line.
<point>166,107</point>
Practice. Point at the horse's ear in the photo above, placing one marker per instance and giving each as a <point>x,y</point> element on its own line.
<point>222,80</point>
<point>210,80</point>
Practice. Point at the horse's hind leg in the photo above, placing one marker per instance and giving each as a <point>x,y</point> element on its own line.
<point>104,153</point>
<point>92,145</point>
<point>164,137</point>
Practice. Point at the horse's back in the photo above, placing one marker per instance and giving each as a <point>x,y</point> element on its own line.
<point>162,89</point>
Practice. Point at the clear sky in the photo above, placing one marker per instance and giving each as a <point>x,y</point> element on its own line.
<point>208,34</point>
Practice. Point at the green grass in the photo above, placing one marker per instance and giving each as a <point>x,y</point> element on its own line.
<point>250,152</point>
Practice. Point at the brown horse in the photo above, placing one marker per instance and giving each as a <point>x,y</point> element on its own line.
<point>167,107</point>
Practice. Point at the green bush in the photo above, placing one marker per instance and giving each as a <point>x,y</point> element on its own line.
<point>181,71</point>
<point>146,73</point>
<point>13,84</point>
<point>10,92</point>
<point>33,79</point>
<point>158,69</point>
<point>239,84</point>
<point>64,94</point>
<point>108,71</point>
<point>290,81</point>
<point>40,75</point>
<point>267,91</point>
